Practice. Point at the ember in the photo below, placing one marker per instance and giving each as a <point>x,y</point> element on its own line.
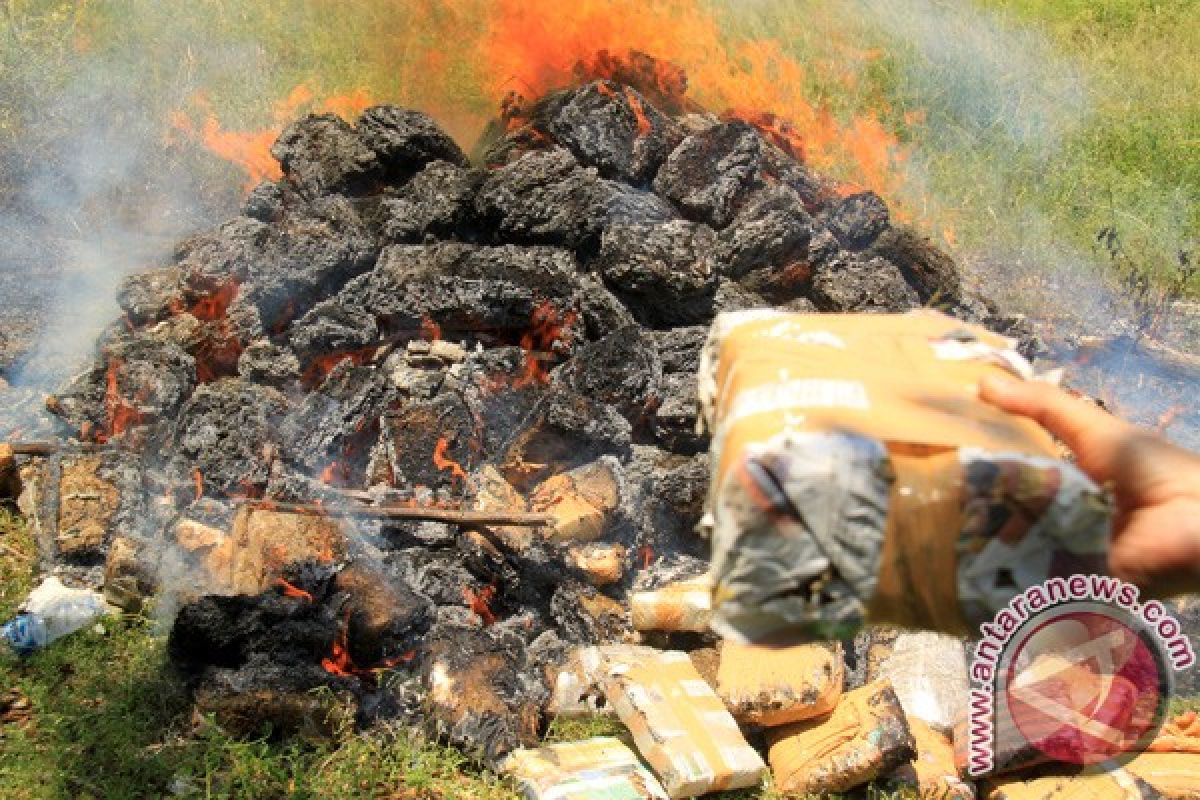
<point>480,603</point>
<point>293,591</point>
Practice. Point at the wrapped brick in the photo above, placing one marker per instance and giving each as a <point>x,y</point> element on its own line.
<point>857,476</point>
<point>596,769</point>
<point>1162,776</point>
<point>865,736</point>
<point>682,606</point>
<point>578,685</point>
<point>928,672</point>
<point>933,772</point>
<point>678,723</point>
<point>766,685</point>
<point>581,502</point>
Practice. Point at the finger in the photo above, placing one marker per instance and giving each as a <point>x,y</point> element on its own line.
<point>1093,434</point>
<point>1159,549</point>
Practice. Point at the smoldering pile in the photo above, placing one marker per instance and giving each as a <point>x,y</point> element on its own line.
<point>393,326</point>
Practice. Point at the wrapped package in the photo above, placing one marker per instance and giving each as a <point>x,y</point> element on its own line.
<point>933,772</point>
<point>596,769</point>
<point>768,685</point>
<point>864,737</point>
<point>682,606</point>
<point>928,672</point>
<point>856,475</point>
<point>578,689</point>
<point>677,721</point>
<point>1165,776</point>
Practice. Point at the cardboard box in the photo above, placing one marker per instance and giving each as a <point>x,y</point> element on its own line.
<point>682,606</point>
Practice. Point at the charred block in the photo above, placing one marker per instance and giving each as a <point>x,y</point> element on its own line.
<point>224,254</point>
<point>226,431</point>
<point>613,128</point>
<point>710,173</point>
<point>849,283</point>
<point>546,197</point>
<point>927,269</point>
<point>622,370</point>
<point>267,363</point>
<point>482,696</point>
<point>386,618</point>
<point>771,233</point>
<point>858,220</point>
<point>310,252</point>
<point>661,271</point>
<point>436,202</point>
<point>151,296</point>
<point>404,141</point>
<point>566,430</point>
<point>321,154</point>
<point>413,433</point>
<point>334,423</point>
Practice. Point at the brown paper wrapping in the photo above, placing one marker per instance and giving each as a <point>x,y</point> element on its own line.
<point>678,723</point>
<point>865,736</point>
<point>768,686</point>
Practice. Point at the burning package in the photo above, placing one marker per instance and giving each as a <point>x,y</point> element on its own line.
<point>677,721</point>
<point>596,769</point>
<point>857,475</point>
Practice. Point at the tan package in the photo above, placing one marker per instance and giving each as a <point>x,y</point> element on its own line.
<point>682,606</point>
<point>1170,776</point>
<point>596,769</point>
<point>677,721</point>
<point>578,689</point>
<point>928,672</point>
<point>932,773</point>
<point>856,474</point>
<point>765,686</point>
<point>864,737</point>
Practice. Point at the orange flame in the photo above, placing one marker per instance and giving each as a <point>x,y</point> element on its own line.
<point>480,603</point>
<point>538,45</point>
<point>120,415</point>
<point>322,365</point>
<point>546,328</point>
<point>430,330</point>
<point>251,149</point>
<point>198,481</point>
<point>291,590</point>
<point>444,462</point>
<point>338,662</point>
<point>647,555</point>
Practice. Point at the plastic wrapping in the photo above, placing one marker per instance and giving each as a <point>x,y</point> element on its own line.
<point>857,476</point>
<point>51,612</point>
<point>765,686</point>
<point>596,769</point>
<point>928,672</point>
<point>678,723</point>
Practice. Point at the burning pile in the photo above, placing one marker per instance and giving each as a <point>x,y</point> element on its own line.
<point>410,428</point>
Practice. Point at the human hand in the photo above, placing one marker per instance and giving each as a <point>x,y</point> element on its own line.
<point>1156,485</point>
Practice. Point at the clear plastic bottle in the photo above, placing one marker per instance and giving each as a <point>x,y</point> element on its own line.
<point>50,612</point>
